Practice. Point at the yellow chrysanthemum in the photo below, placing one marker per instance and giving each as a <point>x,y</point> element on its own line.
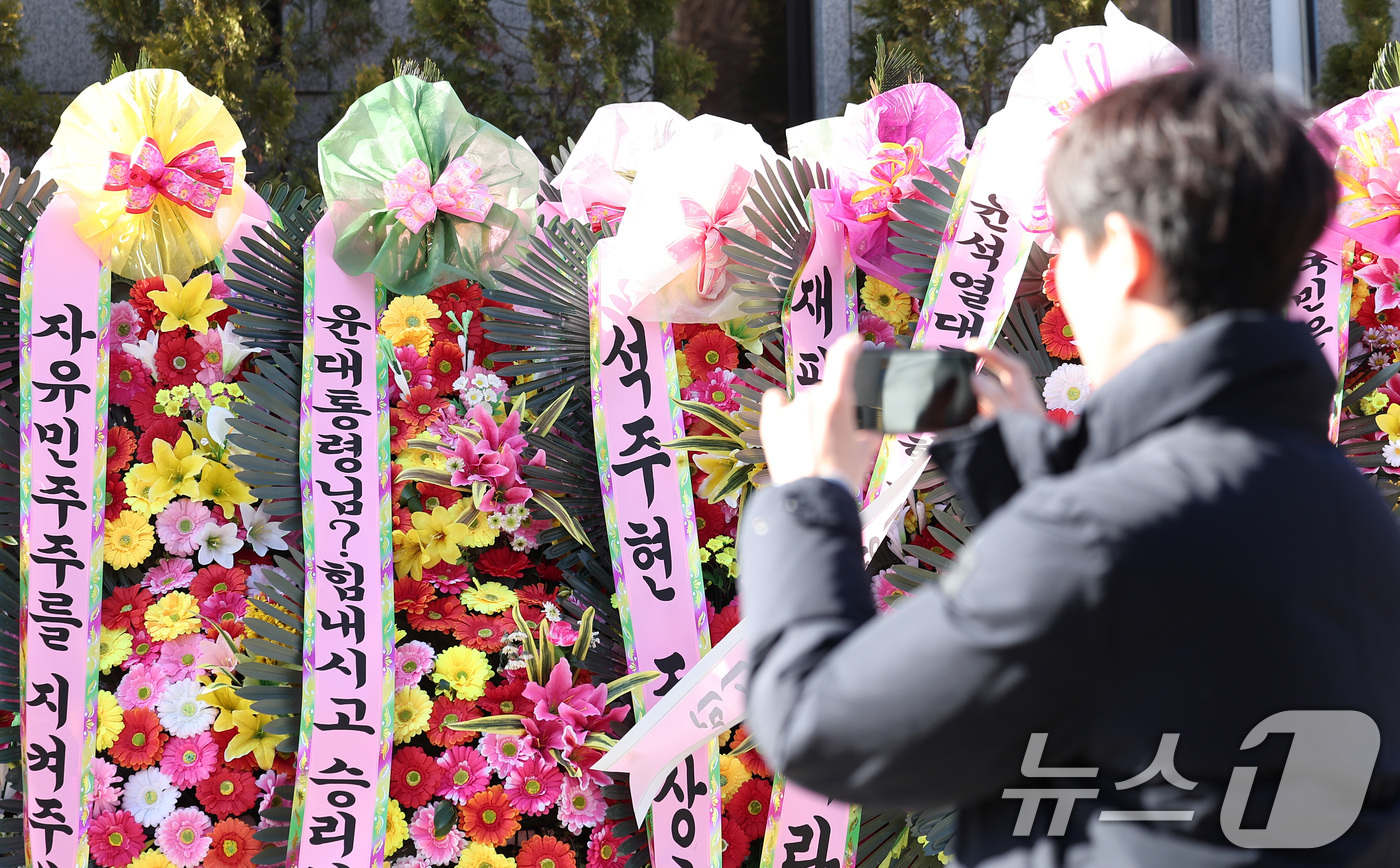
<point>1374,403</point>
<point>408,553</point>
<point>127,540</point>
<point>187,304</point>
<point>490,598</point>
<point>110,722</point>
<point>395,828</point>
<point>412,708</point>
<point>222,697</point>
<point>462,671</point>
<point>173,615</point>
<point>439,536</point>
<point>732,775</point>
<point>886,302</point>
<point>151,859</point>
<point>253,738</point>
<point>219,485</point>
<point>406,316</point>
<point>483,856</point>
<point>113,647</point>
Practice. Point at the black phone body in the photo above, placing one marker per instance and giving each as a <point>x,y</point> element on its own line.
<point>914,391</point>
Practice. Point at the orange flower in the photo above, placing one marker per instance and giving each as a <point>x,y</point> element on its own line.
<point>710,349</point>
<point>545,851</point>
<point>488,817</point>
<point>1057,334</point>
<point>1052,291</point>
<point>141,741</point>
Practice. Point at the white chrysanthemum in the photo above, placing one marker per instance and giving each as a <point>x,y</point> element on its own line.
<point>519,543</point>
<point>1067,388</point>
<point>518,510</point>
<point>150,796</point>
<point>182,712</point>
<point>494,520</point>
<point>1391,451</point>
<point>510,524</point>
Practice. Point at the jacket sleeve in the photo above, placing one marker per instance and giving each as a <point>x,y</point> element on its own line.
<point>934,703</point>
<point>988,462</point>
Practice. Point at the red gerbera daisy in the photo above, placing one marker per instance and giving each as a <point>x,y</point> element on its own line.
<point>143,409</point>
<point>414,777</point>
<point>116,497</point>
<point>536,594</point>
<point>215,579</point>
<point>1052,291</point>
<point>166,428</point>
<point>125,608</point>
<point>1063,418</point>
<point>141,741</point>
<point>115,839</point>
<point>421,404</point>
<point>447,710</point>
<point>724,621</point>
<point>710,520</point>
<point>396,483</point>
<point>177,360</point>
<point>402,428</point>
<point>484,632</point>
<point>435,495</point>
<point>545,851</point>
<point>233,845</point>
<point>489,818</point>
<point>682,332</point>
<point>1055,331</point>
<point>412,595</point>
<point>754,762</point>
<point>709,349</point>
<point>925,540</point>
<point>461,295</point>
<point>445,364</point>
<point>502,562</point>
<point>506,698</point>
<point>444,614</point>
<point>227,792</point>
<point>121,448</point>
<point>247,763</point>
<point>735,843</point>
<point>748,807</point>
<point>127,378</point>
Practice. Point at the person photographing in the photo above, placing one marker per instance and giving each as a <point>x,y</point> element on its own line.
<point>1147,591</point>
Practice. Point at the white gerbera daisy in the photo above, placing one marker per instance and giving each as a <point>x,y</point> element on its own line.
<point>150,796</point>
<point>1391,451</point>
<point>182,712</point>
<point>1067,388</point>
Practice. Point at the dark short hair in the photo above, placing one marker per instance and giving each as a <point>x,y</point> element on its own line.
<point>1215,172</point>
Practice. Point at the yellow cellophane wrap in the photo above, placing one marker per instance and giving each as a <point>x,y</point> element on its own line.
<point>160,103</point>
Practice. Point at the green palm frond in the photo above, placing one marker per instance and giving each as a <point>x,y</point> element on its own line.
<point>268,287</point>
<point>1386,73</point>
<point>548,192</point>
<point>1021,338</point>
<point>267,428</point>
<point>766,268</point>
<point>894,66</point>
<point>919,232</point>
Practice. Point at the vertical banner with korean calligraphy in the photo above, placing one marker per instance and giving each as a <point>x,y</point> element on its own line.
<point>1322,300</point>
<point>654,544</point>
<point>806,830</point>
<point>65,303</point>
<point>823,290</point>
<point>342,789</point>
<point>973,283</point>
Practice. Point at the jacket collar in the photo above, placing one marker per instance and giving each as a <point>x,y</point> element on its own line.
<point>1247,366</point>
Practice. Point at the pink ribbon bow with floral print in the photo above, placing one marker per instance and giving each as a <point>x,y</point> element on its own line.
<point>195,178</point>
<point>458,191</point>
<point>708,241</point>
<point>600,213</point>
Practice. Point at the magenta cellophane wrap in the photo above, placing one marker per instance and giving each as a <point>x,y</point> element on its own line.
<point>1359,137</point>
<point>876,151</point>
<point>377,143</point>
<point>595,184</point>
<point>684,193</point>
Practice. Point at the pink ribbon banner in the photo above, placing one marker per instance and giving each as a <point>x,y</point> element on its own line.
<point>654,546</point>
<point>821,303</point>
<point>1322,300</point>
<point>65,303</point>
<point>342,790</point>
<point>809,830</point>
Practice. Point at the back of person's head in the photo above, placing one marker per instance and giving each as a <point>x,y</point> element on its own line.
<point>1215,173</point>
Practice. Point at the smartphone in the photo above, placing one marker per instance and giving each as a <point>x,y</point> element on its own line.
<point>909,391</point>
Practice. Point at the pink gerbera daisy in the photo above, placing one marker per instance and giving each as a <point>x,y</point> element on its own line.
<point>123,325</point>
<point>189,760</point>
<point>415,371</point>
<point>127,377</point>
<point>534,786</point>
<point>169,574</point>
<point>432,849</point>
<point>106,795</point>
<point>464,773</point>
<point>876,331</point>
<point>580,805</point>
<point>179,525</point>
<point>184,837</point>
<point>504,753</point>
<point>115,839</point>
<point>179,657</point>
<point>142,687</point>
<point>716,389</point>
<point>412,660</point>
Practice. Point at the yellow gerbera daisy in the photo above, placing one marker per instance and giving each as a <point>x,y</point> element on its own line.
<point>490,598</point>
<point>395,828</point>
<point>732,775</point>
<point>412,708</point>
<point>886,302</point>
<point>151,859</point>
<point>127,540</point>
<point>113,647</point>
<point>408,313</point>
<point>173,615</point>
<point>483,856</point>
<point>462,671</point>
<point>110,722</point>
<point>480,533</point>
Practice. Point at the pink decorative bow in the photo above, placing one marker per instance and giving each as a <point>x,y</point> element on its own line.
<point>457,191</point>
<point>601,212</point>
<point>708,240</point>
<point>194,178</point>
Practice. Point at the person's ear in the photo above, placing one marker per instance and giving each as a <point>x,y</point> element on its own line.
<point>1129,260</point>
